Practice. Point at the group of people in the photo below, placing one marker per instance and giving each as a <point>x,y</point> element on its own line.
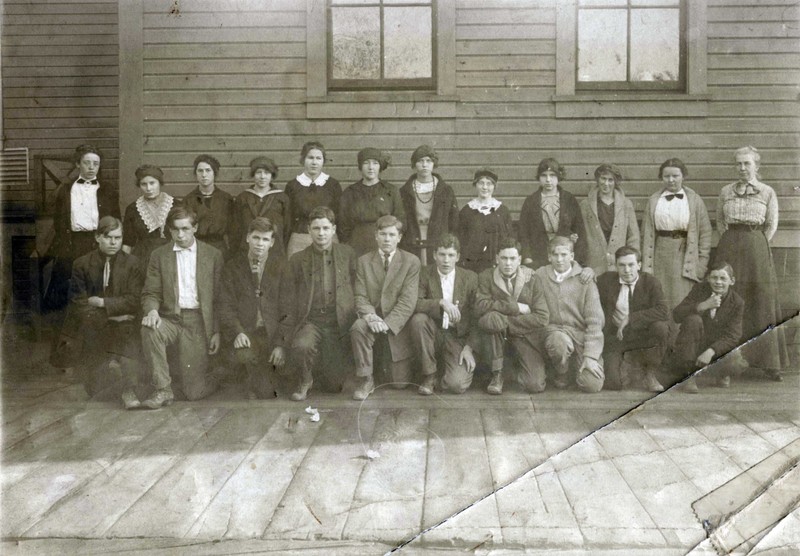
<point>285,279</point>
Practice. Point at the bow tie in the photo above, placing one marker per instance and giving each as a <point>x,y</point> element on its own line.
<point>673,196</point>
<point>89,182</point>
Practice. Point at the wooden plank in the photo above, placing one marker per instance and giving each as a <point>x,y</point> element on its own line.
<point>170,507</point>
<point>544,79</point>
<point>494,16</point>
<point>754,12</point>
<point>513,444</point>
<point>488,32</point>
<point>74,100</point>
<point>468,47</point>
<point>56,61</point>
<point>223,35</point>
<point>265,20</point>
<point>62,81</point>
<point>756,61</point>
<point>28,424</point>
<point>76,460</point>
<point>104,40</point>
<point>508,94</point>
<point>318,499</point>
<point>79,51</point>
<point>508,110</point>
<point>389,495</point>
<point>755,109</point>
<point>35,29</point>
<point>62,21</point>
<point>215,112</point>
<point>85,72</point>
<point>755,29</point>
<point>100,113</point>
<point>94,509</point>
<point>33,124</point>
<point>231,82</point>
<point>61,133</point>
<point>507,63</point>
<point>51,8</point>
<point>219,67</point>
<point>755,92</point>
<point>229,6</point>
<point>753,77</point>
<point>746,45</point>
<point>221,98</point>
<point>64,96</point>
<point>230,50</point>
<point>245,505</point>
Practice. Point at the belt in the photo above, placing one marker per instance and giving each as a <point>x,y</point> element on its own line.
<point>674,234</point>
<point>746,227</point>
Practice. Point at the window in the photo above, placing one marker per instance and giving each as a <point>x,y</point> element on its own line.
<point>630,44</point>
<point>381,44</point>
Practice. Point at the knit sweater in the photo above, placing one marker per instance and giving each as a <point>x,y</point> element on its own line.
<point>574,308</point>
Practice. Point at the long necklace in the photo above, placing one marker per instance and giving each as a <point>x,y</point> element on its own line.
<point>419,198</point>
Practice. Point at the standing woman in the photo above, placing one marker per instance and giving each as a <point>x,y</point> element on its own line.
<point>482,224</point>
<point>677,234</point>
<point>310,189</point>
<point>747,218</point>
<point>609,218</point>
<point>213,206</point>
<point>549,212</point>
<point>367,200</point>
<point>146,217</point>
<point>80,203</point>
<point>262,199</point>
<point>429,204</point>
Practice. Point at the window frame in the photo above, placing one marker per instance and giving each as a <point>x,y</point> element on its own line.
<point>423,84</point>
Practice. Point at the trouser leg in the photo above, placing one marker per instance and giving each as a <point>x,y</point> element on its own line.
<point>256,362</point>
<point>154,351</point>
<point>495,325</point>
<point>456,378</point>
<point>193,356</point>
<point>584,379</point>
<point>401,372</point>
<point>362,340</point>
<point>531,373</point>
<point>688,345</point>
<point>423,338</point>
<point>305,350</point>
<point>559,348</point>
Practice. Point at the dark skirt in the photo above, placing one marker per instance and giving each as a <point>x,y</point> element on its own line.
<point>749,254</point>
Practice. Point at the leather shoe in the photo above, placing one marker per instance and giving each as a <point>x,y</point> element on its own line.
<point>129,399</point>
<point>365,389</point>
<point>724,382</point>
<point>302,392</point>
<point>690,386</point>
<point>496,385</point>
<point>426,389</point>
<point>159,399</point>
<point>651,383</point>
<point>774,375</point>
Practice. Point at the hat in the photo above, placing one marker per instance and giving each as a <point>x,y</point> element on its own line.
<point>423,151</point>
<point>484,173</point>
<point>371,153</point>
<point>264,163</point>
<point>149,170</point>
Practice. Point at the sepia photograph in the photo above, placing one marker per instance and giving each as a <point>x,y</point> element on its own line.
<point>370,277</point>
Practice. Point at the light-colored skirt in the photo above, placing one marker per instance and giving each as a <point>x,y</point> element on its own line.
<point>298,242</point>
<point>668,256</point>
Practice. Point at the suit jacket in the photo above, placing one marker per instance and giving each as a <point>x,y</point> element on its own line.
<point>238,303</point>
<point>299,298</point>
<point>125,284</point>
<point>107,205</point>
<point>724,331</point>
<point>161,283</point>
<point>464,290</point>
<point>532,234</point>
<point>600,253</point>
<point>444,216</point>
<point>493,295</point>
<point>647,304</point>
<point>698,237</point>
<point>392,294</point>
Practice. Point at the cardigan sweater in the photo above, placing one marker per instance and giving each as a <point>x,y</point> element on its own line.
<point>532,233</point>
<point>625,231</point>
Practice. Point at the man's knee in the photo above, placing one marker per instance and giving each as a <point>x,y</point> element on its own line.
<point>493,322</point>
<point>531,383</point>
<point>558,345</point>
<point>360,328</point>
<point>660,332</point>
<point>419,323</point>
<point>692,326</point>
<point>457,384</point>
<point>588,382</point>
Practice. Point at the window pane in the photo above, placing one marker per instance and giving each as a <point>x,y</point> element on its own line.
<point>602,45</point>
<point>408,48</point>
<point>603,3</point>
<point>356,43</point>
<point>655,45</point>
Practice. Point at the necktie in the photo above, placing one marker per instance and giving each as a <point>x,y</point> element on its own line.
<point>256,278</point>
<point>673,196</point>
<point>510,286</point>
<point>90,182</point>
<point>713,312</point>
<point>106,274</point>
<point>386,262</point>
<point>622,308</point>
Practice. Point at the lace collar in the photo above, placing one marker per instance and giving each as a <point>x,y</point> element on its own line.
<point>484,207</point>
<point>154,215</point>
<point>305,181</point>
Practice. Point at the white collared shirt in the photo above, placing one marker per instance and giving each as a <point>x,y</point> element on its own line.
<point>187,276</point>
<point>448,282</point>
<point>561,276</point>
<point>632,285</point>
<point>305,181</point>
<point>622,308</point>
<point>674,214</point>
<point>84,214</point>
<point>383,255</point>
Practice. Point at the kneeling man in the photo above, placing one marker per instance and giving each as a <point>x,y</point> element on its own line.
<point>442,325</point>
<point>387,282</point>
<point>250,314</point>
<point>512,310</point>
<point>637,318</point>
<point>574,336</point>
<point>180,290</point>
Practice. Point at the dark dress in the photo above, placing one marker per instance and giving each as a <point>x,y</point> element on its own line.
<point>139,238</point>
<point>303,199</point>
<point>215,222</point>
<point>361,206</point>
<point>444,217</point>
<point>274,205</point>
<point>480,234</point>
<point>533,235</point>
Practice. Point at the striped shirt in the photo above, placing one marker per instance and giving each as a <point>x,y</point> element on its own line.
<point>757,205</point>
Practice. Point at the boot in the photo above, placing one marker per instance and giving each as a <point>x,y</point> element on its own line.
<point>302,391</point>
<point>690,386</point>
<point>365,388</point>
<point>651,383</point>
<point>496,385</point>
<point>428,383</point>
<point>160,398</point>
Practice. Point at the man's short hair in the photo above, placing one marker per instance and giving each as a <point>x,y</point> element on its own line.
<point>509,243</point>
<point>721,265</point>
<point>320,212</point>
<point>85,149</point>
<point>448,241</point>
<point>108,224</point>
<point>180,213</point>
<point>387,221</point>
<point>260,224</point>
<point>560,241</point>
<point>626,250</point>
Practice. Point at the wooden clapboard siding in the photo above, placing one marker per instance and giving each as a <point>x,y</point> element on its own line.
<point>61,77</point>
